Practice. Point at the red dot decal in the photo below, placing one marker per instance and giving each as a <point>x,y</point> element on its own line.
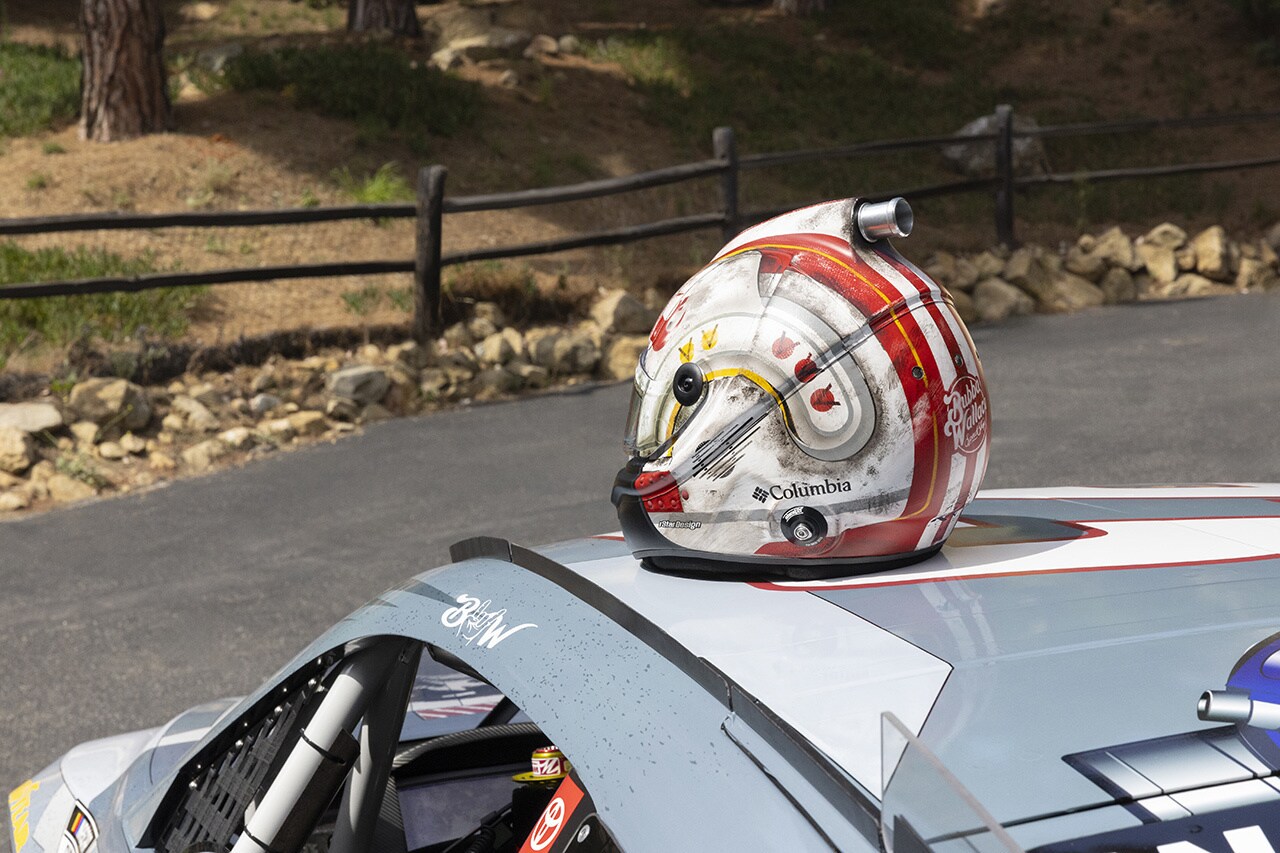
<point>806,369</point>
<point>823,400</point>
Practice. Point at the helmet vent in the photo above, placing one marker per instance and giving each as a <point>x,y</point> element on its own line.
<point>881,219</point>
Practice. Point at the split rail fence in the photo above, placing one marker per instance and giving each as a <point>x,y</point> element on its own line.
<point>726,163</point>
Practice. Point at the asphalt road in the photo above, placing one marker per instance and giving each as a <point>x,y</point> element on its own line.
<point>118,614</point>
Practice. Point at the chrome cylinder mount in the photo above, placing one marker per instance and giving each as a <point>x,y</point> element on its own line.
<point>1227,706</point>
<point>880,219</point>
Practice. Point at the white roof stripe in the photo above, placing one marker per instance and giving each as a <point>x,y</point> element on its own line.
<point>793,653</point>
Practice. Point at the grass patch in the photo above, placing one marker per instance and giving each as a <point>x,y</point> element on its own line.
<point>512,287</point>
<point>387,184</point>
<point>79,467</point>
<point>365,300</point>
<point>889,69</point>
<point>39,88</point>
<point>375,85</point>
<point>59,320</point>
<point>215,179</point>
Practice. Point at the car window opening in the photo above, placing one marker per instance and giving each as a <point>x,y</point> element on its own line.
<point>457,775</point>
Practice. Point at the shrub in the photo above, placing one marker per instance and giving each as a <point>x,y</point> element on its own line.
<point>62,319</point>
<point>375,85</point>
<point>384,185</point>
<point>40,89</point>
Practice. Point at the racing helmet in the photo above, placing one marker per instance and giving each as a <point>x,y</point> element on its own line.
<point>810,405</point>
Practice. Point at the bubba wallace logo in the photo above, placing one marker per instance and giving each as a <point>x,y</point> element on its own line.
<point>966,414</point>
<point>476,624</point>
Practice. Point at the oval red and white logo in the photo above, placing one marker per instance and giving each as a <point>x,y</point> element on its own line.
<point>548,826</point>
<point>966,407</point>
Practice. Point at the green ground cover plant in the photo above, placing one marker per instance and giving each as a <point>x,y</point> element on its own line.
<point>887,69</point>
<point>39,88</point>
<point>375,85</point>
<point>58,320</point>
<point>387,184</point>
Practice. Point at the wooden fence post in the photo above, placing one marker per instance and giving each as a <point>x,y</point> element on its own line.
<point>725,147</point>
<point>426,263</point>
<point>1004,174</point>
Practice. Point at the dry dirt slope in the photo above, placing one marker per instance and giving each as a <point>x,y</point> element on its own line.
<point>569,118</point>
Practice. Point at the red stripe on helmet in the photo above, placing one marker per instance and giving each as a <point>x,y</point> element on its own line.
<point>833,263</point>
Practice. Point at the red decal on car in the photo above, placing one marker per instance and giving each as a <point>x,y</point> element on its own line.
<point>554,818</point>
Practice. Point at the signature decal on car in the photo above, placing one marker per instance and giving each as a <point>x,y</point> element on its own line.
<point>477,625</point>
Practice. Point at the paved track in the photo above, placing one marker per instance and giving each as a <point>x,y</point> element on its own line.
<point>118,614</point>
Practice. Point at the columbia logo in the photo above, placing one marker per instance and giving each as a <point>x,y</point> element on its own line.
<point>760,494</point>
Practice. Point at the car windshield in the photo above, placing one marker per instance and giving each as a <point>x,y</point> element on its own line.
<point>444,701</point>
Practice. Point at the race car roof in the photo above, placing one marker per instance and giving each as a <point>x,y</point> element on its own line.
<point>1056,624</point>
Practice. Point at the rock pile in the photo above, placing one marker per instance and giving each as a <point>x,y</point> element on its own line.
<point>490,30</point>
<point>111,434</point>
<point>1164,263</point>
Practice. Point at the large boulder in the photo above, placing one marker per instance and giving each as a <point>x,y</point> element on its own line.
<point>495,382</point>
<point>1116,249</point>
<point>995,299</point>
<point>501,347</point>
<point>65,489</point>
<point>942,268</point>
<point>308,422</point>
<point>17,450</point>
<point>579,351</point>
<point>362,383</point>
<point>115,402</point>
<point>1215,255</point>
<point>622,355</point>
<point>1027,269</point>
<point>964,305</point>
<point>30,417</point>
<point>1192,284</point>
<point>979,158</point>
<point>1085,264</point>
<point>1165,235</point>
<point>196,415</point>
<point>564,352</point>
<point>967,275</point>
<point>496,43</point>
<point>1255,274</point>
<point>1072,293</point>
<point>202,456</point>
<point>1160,261</point>
<point>618,312</point>
<point>1118,286</point>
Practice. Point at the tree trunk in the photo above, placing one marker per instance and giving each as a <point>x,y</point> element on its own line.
<point>397,17</point>
<point>799,7</point>
<point>123,86</point>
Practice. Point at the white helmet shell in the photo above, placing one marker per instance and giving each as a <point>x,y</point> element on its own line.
<point>810,405</point>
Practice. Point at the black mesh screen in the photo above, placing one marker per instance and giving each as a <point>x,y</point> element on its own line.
<point>210,813</point>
